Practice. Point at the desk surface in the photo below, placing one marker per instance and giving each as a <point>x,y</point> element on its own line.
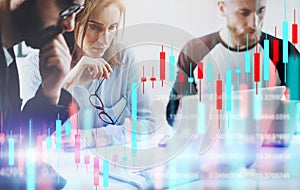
<point>276,168</point>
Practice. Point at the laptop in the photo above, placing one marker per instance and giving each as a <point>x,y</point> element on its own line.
<point>214,143</point>
<point>231,138</point>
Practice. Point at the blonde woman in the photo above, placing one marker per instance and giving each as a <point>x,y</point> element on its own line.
<point>101,78</point>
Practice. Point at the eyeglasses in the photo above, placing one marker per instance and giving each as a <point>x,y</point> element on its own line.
<point>95,100</point>
<point>74,8</point>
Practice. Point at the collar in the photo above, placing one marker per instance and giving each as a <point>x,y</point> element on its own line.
<point>8,57</point>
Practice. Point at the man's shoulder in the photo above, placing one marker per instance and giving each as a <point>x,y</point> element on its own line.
<point>271,38</point>
<point>265,35</point>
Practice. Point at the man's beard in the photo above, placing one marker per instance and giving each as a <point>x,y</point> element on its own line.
<point>252,39</point>
<point>30,25</point>
<point>240,37</point>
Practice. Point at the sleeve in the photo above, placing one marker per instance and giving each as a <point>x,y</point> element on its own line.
<point>187,62</point>
<point>42,112</point>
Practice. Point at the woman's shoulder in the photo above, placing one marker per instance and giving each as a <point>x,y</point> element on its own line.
<point>125,55</point>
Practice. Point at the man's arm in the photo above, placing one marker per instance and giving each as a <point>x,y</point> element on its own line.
<point>51,101</point>
<point>42,112</point>
<point>180,88</point>
<point>192,53</point>
<point>186,63</point>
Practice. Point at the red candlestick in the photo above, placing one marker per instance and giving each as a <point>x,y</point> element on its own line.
<point>153,79</point>
<point>2,138</point>
<point>73,120</point>
<point>143,80</point>
<point>256,66</point>
<point>295,30</point>
<point>39,148</point>
<point>115,159</point>
<point>181,76</point>
<point>200,77</point>
<point>275,49</point>
<point>256,70</point>
<point>162,57</point>
<point>21,160</point>
<point>219,98</point>
<point>96,172</point>
<point>21,154</point>
<point>86,161</point>
<point>200,70</point>
<point>295,34</point>
<point>77,149</point>
<point>219,94</point>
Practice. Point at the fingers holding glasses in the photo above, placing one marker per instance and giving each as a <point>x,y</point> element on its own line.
<point>104,69</point>
<point>93,70</point>
<point>88,69</point>
<point>97,67</point>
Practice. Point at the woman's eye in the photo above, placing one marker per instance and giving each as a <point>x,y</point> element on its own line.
<point>94,27</point>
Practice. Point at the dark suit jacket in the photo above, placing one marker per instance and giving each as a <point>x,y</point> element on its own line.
<point>39,109</point>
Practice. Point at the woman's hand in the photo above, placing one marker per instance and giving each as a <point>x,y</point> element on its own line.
<point>88,69</point>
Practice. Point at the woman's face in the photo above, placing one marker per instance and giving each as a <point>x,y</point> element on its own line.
<point>100,31</point>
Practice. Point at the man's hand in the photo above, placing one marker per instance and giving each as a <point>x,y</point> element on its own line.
<point>55,60</point>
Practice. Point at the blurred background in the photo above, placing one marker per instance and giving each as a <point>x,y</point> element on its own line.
<point>197,17</point>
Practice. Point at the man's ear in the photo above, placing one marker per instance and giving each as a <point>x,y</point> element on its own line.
<point>221,7</point>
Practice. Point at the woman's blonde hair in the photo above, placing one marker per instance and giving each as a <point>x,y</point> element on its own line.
<point>83,18</point>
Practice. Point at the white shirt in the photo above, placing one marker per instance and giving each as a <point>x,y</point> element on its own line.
<point>8,57</point>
